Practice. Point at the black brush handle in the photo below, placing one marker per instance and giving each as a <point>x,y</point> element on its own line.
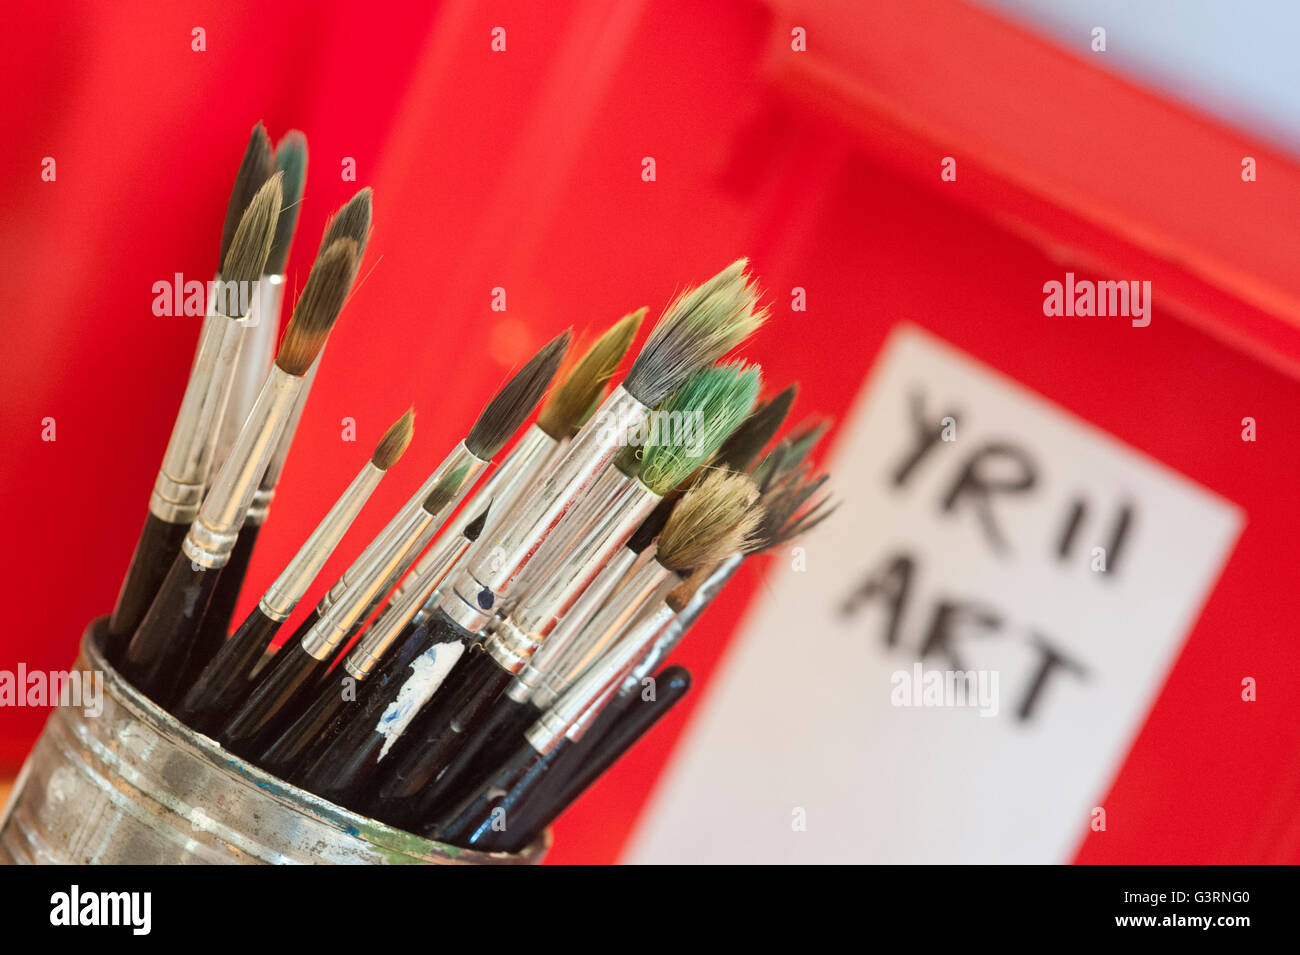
<point>318,722</point>
<point>345,767</point>
<point>489,745</point>
<point>438,735</point>
<point>488,818</point>
<point>216,622</point>
<point>272,704</point>
<point>157,547</point>
<point>224,684</point>
<point>155,658</point>
<point>615,731</point>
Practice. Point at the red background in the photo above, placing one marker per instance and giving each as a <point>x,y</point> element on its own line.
<point>522,170</point>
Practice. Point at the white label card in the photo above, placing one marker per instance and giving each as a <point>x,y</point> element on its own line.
<point>975,639</point>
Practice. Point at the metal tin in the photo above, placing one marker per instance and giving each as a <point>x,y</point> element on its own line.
<point>134,786</point>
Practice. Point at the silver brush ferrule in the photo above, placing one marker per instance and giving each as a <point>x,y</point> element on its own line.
<point>545,734</point>
<point>187,462</point>
<point>381,634</point>
<point>275,467</point>
<point>498,558</point>
<point>255,357</point>
<point>212,535</point>
<point>648,587</point>
<point>623,503</point>
<point>282,596</point>
<point>672,634</point>
<point>259,507</point>
<point>460,456</point>
<point>572,623</point>
<point>456,473</point>
<point>527,461</point>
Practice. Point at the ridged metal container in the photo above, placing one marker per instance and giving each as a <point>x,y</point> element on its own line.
<point>134,786</point>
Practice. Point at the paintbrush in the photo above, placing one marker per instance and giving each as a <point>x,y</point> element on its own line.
<point>353,222</point>
<point>224,681</point>
<point>187,462</point>
<point>533,453</point>
<point>586,759</point>
<point>714,401</point>
<point>273,703</point>
<point>156,656</point>
<point>718,516</point>
<point>356,691</point>
<point>255,359</point>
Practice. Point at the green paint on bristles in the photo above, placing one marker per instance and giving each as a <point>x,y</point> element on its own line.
<point>694,421</point>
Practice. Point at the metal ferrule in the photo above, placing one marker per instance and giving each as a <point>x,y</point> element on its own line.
<point>283,595</point>
<point>570,625</point>
<point>360,599</point>
<point>519,636</point>
<point>650,585</point>
<point>460,456</point>
<point>498,558</point>
<point>672,634</point>
<point>259,506</point>
<point>213,533</point>
<point>275,467</point>
<point>178,490</point>
<point>260,328</point>
<point>381,634</point>
<point>527,461</point>
<point>547,732</point>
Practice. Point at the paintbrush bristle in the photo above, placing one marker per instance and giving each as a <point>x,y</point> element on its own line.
<point>291,161</point>
<point>352,221</point>
<point>789,454</point>
<point>784,516</point>
<point>251,243</point>
<point>575,397</point>
<point>395,441</point>
<point>699,327</point>
<point>254,169</point>
<point>318,307</point>
<point>691,424</point>
<point>475,527</point>
<point>513,403</point>
<point>742,449</point>
<point>713,520</point>
<point>444,493</point>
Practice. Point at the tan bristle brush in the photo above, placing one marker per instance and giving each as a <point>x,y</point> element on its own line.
<point>155,659</point>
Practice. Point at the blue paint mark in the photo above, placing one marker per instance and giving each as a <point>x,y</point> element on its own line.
<point>486,598</point>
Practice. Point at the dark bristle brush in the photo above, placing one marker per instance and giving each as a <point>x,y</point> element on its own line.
<point>187,463</point>
<point>717,399</point>
<point>287,680</point>
<point>224,681</point>
<point>156,657</point>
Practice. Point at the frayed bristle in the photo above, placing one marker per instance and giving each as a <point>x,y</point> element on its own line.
<point>513,403</point>
<point>784,516</point>
<point>318,307</point>
<point>475,527</point>
<point>291,161</point>
<point>352,221</point>
<point>446,491</point>
<point>742,449</point>
<point>567,405</point>
<point>715,519</point>
<point>692,423</point>
<point>251,243</point>
<point>395,441</point>
<point>699,327</point>
<point>254,169</point>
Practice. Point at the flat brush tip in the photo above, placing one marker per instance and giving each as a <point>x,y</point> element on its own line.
<point>252,240</point>
<point>513,403</point>
<point>395,441</point>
